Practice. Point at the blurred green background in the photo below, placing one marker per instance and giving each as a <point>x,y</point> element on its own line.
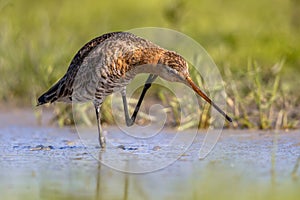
<point>38,39</point>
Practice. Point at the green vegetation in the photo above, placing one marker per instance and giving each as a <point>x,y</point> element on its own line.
<point>255,44</point>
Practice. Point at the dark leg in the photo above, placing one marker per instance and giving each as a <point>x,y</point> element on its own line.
<point>100,132</point>
<point>130,121</point>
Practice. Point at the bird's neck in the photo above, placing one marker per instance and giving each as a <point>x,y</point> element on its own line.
<point>144,60</point>
<point>145,56</point>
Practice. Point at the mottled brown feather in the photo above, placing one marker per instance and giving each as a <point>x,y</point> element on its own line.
<point>63,88</point>
<point>118,53</point>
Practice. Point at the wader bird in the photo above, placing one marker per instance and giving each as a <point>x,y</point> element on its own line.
<point>108,63</point>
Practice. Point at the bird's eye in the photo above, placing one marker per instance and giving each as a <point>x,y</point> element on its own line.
<point>171,70</point>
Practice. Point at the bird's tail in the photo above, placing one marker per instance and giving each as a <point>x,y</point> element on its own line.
<point>52,94</point>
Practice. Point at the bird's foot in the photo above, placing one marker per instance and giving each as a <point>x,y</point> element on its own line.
<point>102,142</point>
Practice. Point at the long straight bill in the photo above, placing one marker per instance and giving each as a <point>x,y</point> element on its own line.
<point>206,98</point>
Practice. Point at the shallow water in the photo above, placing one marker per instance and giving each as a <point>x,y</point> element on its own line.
<point>46,162</point>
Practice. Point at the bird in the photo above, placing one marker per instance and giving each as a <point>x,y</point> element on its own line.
<point>108,63</point>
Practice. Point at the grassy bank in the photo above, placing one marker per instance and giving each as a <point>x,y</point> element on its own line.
<point>255,44</point>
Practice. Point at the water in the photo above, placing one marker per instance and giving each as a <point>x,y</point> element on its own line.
<point>47,162</point>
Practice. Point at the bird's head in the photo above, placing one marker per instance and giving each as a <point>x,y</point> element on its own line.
<point>175,68</point>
